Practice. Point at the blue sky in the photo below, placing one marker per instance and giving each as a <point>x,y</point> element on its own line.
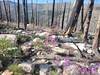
<point>44,1</point>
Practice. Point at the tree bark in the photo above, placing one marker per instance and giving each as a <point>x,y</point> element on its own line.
<point>25,13</point>
<point>36,13</point>
<point>74,17</point>
<point>63,17</point>
<point>6,11</point>
<point>95,45</point>
<point>32,19</point>
<point>18,12</point>
<point>9,11</point>
<point>68,12</point>
<point>0,11</point>
<point>47,13</point>
<point>90,9</point>
<point>15,11</point>
<point>82,16</point>
<point>53,9</point>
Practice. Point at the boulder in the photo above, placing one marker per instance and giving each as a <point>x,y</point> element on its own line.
<point>7,72</point>
<point>26,48</point>
<point>37,40</point>
<point>11,37</point>
<point>72,45</point>
<point>45,34</point>
<point>71,70</point>
<point>27,67</point>
<point>62,39</point>
<point>43,69</point>
<point>19,31</point>
<point>59,50</point>
<point>98,71</point>
<point>38,43</point>
<point>30,27</point>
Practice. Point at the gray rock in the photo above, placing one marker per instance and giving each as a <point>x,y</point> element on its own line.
<point>43,69</point>
<point>71,70</point>
<point>19,31</point>
<point>98,71</point>
<point>58,50</point>
<point>27,67</point>
<point>30,27</point>
<point>62,39</point>
<point>26,48</point>
<point>45,34</point>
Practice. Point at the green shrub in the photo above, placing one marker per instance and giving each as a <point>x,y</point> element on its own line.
<point>16,70</point>
<point>14,52</point>
<point>23,38</point>
<point>4,45</point>
<point>36,36</point>
<point>53,72</point>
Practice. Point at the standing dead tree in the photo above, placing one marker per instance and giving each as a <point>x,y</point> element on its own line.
<point>82,17</point>
<point>36,8</point>
<point>9,11</point>
<point>25,13</point>
<point>95,45</point>
<point>63,17</point>
<point>47,13</point>
<point>74,17</point>
<point>18,13</point>
<point>0,11</point>
<point>68,11</point>
<point>53,9</point>
<point>15,11</point>
<point>32,18</point>
<point>89,15</point>
<point>6,11</point>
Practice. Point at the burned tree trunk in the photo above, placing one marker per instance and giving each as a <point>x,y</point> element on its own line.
<point>18,12</point>
<point>68,12</point>
<point>63,17</point>
<point>95,45</point>
<point>6,11</point>
<point>15,11</point>
<point>36,14</point>
<point>89,15</point>
<point>47,14</point>
<point>25,18</point>
<point>82,16</point>
<point>32,18</point>
<point>74,17</point>
<point>53,9</point>
<point>27,12</point>
<point>0,11</point>
<point>9,11</point>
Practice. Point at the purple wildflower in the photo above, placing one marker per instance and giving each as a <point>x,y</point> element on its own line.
<point>84,70</point>
<point>67,62</point>
<point>93,68</point>
<point>51,40</point>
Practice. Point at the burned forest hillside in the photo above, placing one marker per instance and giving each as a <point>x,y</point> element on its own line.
<point>49,37</point>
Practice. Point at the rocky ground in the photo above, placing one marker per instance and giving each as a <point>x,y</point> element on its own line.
<point>45,52</point>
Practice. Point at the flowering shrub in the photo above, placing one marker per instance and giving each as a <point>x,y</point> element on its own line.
<point>51,41</point>
<point>67,62</point>
<point>92,69</point>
